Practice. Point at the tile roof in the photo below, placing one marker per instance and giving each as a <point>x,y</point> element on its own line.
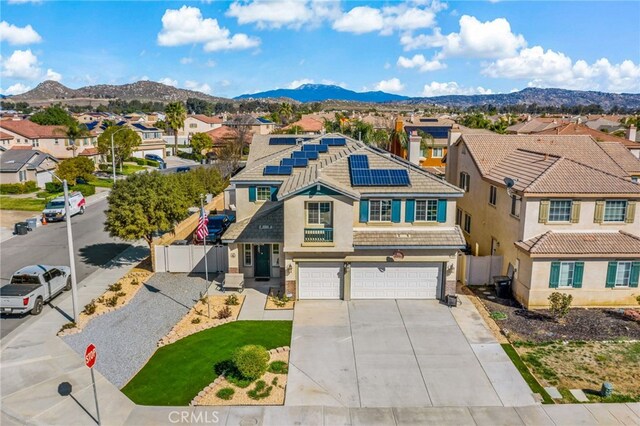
<point>32,130</point>
<point>435,237</point>
<point>581,129</point>
<point>621,154</point>
<point>14,160</point>
<point>567,244</point>
<point>265,226</point>
<point>308,124</point>
<point>533,126</point>
<point>90,152</point>
<point>222,132</point>
<point>207,119</point>
<point>5,136</point>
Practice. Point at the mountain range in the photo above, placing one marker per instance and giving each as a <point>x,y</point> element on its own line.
<point>51,91</point>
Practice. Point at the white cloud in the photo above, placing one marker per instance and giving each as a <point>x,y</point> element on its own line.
<point>297,83</point>
<point>185,61</point>
<point>392,85</point>
<point>334,83</point>
<point>199,87</point>
<point>452,88</point>
<point>168,81</point>
<point>283,13</point>
<point>187,26</point>
<point>22,64</point>
<point>15,89</point>
<point>407,16</point>
<point>360,20</point>
<point>18,35</point>
<point>421,63</point>
<point>490,39</point>
<point>555,69</point>
<point>52,75</point>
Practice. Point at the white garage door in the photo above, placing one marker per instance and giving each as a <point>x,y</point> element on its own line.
<point>158,152</point>
<point>406,281</point>
<point>42,178</point>
<point>319,280</point>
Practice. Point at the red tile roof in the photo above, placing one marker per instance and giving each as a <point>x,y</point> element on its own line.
<point>568,244</point>
<point>207,119</point>
<point>32,130</point>
<point>90,152</point>
<point>308,124</point>
<point>22,147</point>
<point>5,136</point>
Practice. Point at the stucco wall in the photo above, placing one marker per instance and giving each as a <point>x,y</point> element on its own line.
<point>244,207</point>
<point>451,215</point>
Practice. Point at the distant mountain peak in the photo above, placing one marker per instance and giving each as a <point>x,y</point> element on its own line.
<point>322,92</point>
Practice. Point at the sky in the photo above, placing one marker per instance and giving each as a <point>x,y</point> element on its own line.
<point>413,48</point>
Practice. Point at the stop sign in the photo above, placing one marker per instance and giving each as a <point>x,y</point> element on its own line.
<point>90,355</point>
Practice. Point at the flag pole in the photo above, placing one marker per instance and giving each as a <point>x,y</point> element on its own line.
<point>206,266</point>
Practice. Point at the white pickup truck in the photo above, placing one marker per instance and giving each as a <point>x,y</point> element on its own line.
<point>32,286</point>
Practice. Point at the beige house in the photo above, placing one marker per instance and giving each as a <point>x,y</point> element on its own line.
<point>22,165</point>
<point>257,126</point>
<point>568,222</point>
<point>199,123</point>
<point>152,141</point>
<point>331,218</point>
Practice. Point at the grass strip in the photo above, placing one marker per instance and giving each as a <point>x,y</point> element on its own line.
<point>526,374</point>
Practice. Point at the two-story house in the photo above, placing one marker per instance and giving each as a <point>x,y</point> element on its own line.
<point>561,210</point>
<point>332,218</point>
<point>152,141</point>
<point>198,123</point>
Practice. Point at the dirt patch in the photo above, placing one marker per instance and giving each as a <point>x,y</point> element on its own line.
<point>240,395</point>
<point>585,365</point>
<point>278,301</point>
<point>539,326</point>
<point>203,316</point>
<point>8,218</point>
<point>117,295</point>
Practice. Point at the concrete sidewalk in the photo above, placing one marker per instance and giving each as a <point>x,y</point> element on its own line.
<point>34,362</point>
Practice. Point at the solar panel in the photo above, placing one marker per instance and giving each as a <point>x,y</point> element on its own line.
<point>315,147</point>
<point>399,177</point>
<point>277,170</point>
<point>282,141</point>
<point>334,141</point>
<point>294,162</point>
<point>359,162</point>
<point>362,175</point>
<point>310,155</point>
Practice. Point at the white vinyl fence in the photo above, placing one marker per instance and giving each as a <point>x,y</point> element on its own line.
<point>479,270</point>
<point>190,258</point>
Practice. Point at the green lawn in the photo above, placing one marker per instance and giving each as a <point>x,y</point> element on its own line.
<point>102,183</point>
<point>28,204</point>
<point>176,373</point>
<point>127,169</point>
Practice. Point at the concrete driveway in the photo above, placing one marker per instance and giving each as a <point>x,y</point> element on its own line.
<point>404,353</point>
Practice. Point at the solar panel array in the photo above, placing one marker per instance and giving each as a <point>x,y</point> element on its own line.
<point>362,175</point>
<point>438,132</point>
<point>334,141</point>
<point>277,170</point>
<point>294,162</point>
<point>309,155</point>
<point>315,147</point>
<point>286,141</point>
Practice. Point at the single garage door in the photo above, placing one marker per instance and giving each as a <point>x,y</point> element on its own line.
<point>405,281</point>
<point>318,280</point>
<point>42,178</point>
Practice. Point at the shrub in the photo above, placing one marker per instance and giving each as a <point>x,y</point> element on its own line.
<point>280,301</point>
<point>85,189</point>
<point>251,360</point>
<point>115,287</point>
<point>112,301</point>
<point>278,367</point>
<point>225,393</point>
<point>224,313</point>
<point>68,326</point>
<point>260,391</point>
<point>18,188</point>
<point>53,187</point>
<point>638,300</point>
<point>498,316</point>
<point>274,382</point>
<point>232,299</point>
<point>76,169</point>
<point>559,304</point>
<point>121,294</point>
<point>230,372</point>
<point>90,308</point>
<point>195,321</point>
<point>104,167</point>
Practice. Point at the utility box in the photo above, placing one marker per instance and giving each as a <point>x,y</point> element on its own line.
<point>606,390</point>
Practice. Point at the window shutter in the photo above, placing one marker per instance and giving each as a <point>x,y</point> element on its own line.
<point>252,194</point>
<point>543,216</point>
<point>635,273</point>
<point>554,277</point>
<point>395,211</point>
<point>611,274</point>
<point>598,217</point>
<point>578,272</point>
<point>409,211</point>
<point>274,193</point>
<point>575,211</point>
<point>442,211</point>
<point>631,212</point>
<point>364,211</point>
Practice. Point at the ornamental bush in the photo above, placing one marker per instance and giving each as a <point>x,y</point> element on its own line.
<point>559,304</point>
<point>18,188</point>
<point>251,360</point>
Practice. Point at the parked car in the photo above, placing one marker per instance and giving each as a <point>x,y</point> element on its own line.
<point>154,157</point>
<point>54,210</point>
<point>32,286</point>
<point>217,224</point>
<point>183,169</point>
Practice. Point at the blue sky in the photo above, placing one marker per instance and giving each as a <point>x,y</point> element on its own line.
<point>415,48</point>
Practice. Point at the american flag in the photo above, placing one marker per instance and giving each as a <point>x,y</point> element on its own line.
<point>202,231</point>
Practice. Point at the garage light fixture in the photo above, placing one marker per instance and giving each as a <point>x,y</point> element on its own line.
<point>398,255</point>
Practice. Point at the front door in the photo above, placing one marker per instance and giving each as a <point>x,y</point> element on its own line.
<point>262,260</point>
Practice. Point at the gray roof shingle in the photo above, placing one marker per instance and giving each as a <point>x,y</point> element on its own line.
<point>13,160</point>
<point>266,226</point>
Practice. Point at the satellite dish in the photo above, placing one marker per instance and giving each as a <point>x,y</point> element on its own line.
<point>509,182</point>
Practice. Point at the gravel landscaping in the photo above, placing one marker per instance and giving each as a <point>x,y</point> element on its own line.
<point>127,338</point>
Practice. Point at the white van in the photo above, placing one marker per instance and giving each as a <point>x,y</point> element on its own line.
<point>54,210</point>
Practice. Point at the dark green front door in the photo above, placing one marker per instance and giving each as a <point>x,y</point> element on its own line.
<point>263,260</point>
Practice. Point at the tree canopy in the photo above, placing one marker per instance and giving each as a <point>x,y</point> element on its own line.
<point>76,168</point>
<point>201,142</point>
<point>53,115</point>
<point>124,141</point>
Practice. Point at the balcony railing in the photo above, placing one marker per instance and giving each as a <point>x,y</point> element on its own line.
<point>318,235</point>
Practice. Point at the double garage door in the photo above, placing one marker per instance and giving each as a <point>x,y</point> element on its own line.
<point>371,281</point>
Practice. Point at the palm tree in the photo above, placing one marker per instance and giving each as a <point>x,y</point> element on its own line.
<point>380,138</point>
<point>74,130</point>
<point>175,115</point>
<point>401,137</point>
<point>285,112</point>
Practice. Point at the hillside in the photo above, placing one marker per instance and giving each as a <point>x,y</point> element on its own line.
<point>323,92</point>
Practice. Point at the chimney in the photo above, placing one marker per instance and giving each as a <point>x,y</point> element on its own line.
<point>414,148</point>
<point>631,133</point>
<point>454,135</point>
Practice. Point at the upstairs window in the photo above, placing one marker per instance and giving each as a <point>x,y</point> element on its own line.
<point>426,210</point>
<point>458,216</point>
<point>380,210</point>
<point>437,152</point>
<point>515,206</point>
<point>319,213</point>
<point>493,195</point>
<point>467,223</point>
<point>464,181</point>
<point>263,193</point>
<point>615,211</point>
<point>559,210</point>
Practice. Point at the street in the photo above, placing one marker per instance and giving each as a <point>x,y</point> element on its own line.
<point>47,245</point>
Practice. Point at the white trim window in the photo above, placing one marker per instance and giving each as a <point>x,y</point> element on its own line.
<point>559,210</point>
<point>565,279</point>
<point>263,193</point>
<point>623,274</point>
<point>380,210</point>
<point>319,213</point>
<point>247,255</point>
<point>426,210</point>
<point>437,152</point>
<point>464,181</point>
<point>615,210</point>
<point>275,254</point>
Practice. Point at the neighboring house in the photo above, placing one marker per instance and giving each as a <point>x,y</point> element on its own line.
<point>309,125</point>
<point>346,221</point>
<point>533,125</point>
<point>48,139</point>
<point>568,224</point>
<point>607,124</point>
<point>199,123</point>
<point>152,141</point>
<point>437,133</point>
<point>257,126</point>
<point>6,141</point>
<point>22,165</point>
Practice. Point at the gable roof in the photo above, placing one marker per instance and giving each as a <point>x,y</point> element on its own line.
<point>308,124</point>
<point>32,130</point>
<point>14,159</point>
<point>207,119</point>
<point>533,126</point>
<point>265,226</point>
<point>567,244</point>
<point>5,136</point>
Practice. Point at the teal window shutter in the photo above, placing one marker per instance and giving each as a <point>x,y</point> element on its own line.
<point>612,269</point>
<point>635,273</point>
<point>578,272</point>
<point>364,211</point>
<point>554,278</point>
<point>252,194</point>
<point>274,193</point>
<point>395,211</point>
<point>409,211</point>
<point>442,211</point>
